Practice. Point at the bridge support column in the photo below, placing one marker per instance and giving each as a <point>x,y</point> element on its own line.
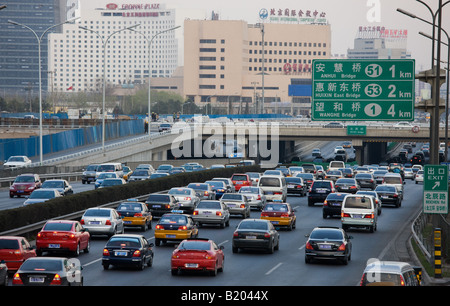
<point>358,146</point>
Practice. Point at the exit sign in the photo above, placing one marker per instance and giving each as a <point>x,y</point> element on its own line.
<point>363,90</point>
<point>435,189</point>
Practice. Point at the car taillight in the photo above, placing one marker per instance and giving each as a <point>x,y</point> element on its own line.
<point>137,253</point>
<point>17,280</point>
<point>308,246</point>
<point>264,214</point>
<point>285,215</point>
<point>182,228</point>
<point>325,203</point>
<point>235,234</point>
<point>108,222</point>
<point>395,195</point>
<point>267,235</point>
<point>342,247</point>
<point>187,198</point>
<point>218,213</point>
<point>299,186</point>
<point>402,281</point>
<point>345,215</point>
<point>369,216</point>
<point>138,215</point>
<point>206,193</point>
<point>195,212</point>
<point>159,227</point>
<point>105,252</point>
<point>56,280</point>
<point>242,206</point>
<point>82,221</point>
<point>259,197</point>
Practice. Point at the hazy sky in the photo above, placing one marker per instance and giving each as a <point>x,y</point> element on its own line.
<point>345,17</point>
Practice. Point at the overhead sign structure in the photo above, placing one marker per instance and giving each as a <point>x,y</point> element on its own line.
<point>435,189</point>
<point>363,90</point>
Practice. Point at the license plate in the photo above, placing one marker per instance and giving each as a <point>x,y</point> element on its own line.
<point>385,197</point>
<point>126,222</point>
<point>357,216</point>
<point>171,236</point>
<point>36,279</point>
<point>344,188</point>
<point>156,206</point>
<point>230,205</point>
<point>19,191</point>
<point>321,191</point>
<point>94,222</point>
<point>291,186</point>
<point>191,265</point>
<point>118,253</point>
<point>54,246</point>
<point>274,222</point>
<point>250,237</point>
<point>324,246</point>
<point>335,204</point>
<point>206,212</point>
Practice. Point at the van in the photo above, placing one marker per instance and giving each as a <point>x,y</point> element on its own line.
<point>110,167</point>
<point>336,165</point>
<point>274,187</point>
<point>359,211</point>
<point>390,273</point>
<point>394,179</point>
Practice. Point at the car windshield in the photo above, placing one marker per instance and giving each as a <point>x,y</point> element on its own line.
<point>97,213</point>
<point>269,182</point>
<point>358,202</point>
<point>209,204</point>
<point>43,264</point>
<point>195,245</point>
<point>141,173</point>
<point>106,168</point>
<point>239,178</point>
<point>124,242</point>
<point>53,184</point>
<point>254,225</point>
<point>158,198</point>
<point>249,190</point>
<point>9,244</point>
<point>42,194</point>
<point>326,234</point>
<point>57,226</point>
<point>107,175</point>
<point>386,188</point>
<point>179,192</point>
<point>24,179</point>
<point>232,196</point>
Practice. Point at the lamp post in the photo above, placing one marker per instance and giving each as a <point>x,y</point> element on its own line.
<point>39,40</point>
<point>149,42</point>
<point>105,42</point>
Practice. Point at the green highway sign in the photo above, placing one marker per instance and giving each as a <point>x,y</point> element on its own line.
<point>356,130</point>
<point>363,90</point>
<point>435,189</point>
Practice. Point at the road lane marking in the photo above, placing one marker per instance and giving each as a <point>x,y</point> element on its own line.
<point>274,268</point>
<point>92,262</point>
<point>300,248</point>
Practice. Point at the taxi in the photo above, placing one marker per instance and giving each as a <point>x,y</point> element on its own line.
<point>175,226</point>
<point>280,215</point>
<point>135,213</point>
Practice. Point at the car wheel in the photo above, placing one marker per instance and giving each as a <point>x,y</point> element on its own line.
<point>174,272</point>
<point>307,260</point>
<point>105,266</point>
<point>157,242</point>
<point>76,253</point>
<point>214,272</point>
<point>88,247</point>
<point>150,262</point>
<point>235,249</point>
<point>345,261</point>
<point>223,264</point>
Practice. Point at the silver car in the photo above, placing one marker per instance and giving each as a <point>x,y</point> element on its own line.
<point>237,204</point>
<point>204,190</point>
<point>212,212</point>
<point>62,186</point>
<point>102,221</point>
<point>187,198</point>
<point>255,196</point>
<point>139,174</point>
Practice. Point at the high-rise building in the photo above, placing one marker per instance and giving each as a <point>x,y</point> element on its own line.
<point>19,64</point>
<point>76,54</point>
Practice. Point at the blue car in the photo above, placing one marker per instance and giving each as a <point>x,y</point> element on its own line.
<point>219,187</point>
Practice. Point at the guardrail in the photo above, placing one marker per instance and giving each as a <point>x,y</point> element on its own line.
<point>11,179</point>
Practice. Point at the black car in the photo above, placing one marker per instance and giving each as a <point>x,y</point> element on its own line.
<point>256,234</point>
<point>366,180</point>
<point>159,204</point>
<point>388,194</point>
<point>328,243</point>
<point>319,191</point>
<point>296,185</point>
<point>127,250</point>
<point>333,204</point>
<point>349,185</point>
<point>308,178</point>
<point>48,271</point>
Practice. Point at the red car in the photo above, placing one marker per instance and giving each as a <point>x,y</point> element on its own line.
<point>14,251</point>
<point>24,184</point>
<point>240,180</point>
<point>197,254</point>
<point>62,235</point>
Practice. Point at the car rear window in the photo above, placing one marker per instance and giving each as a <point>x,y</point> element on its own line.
<point>130,206</point>
<point>326,234</point>
<point>198,186</point>
<point>212,205</point>
<point>195,245</point>
<point>358,202</point>
<point>269,182</point>
<point>42,265</point>
<point>257,225</point>
<point>231,196</point>
<point>158,198</point>
<point>124,242</point>
<point>97,213</point>
<point>377,277</point>
<point>58,227</point>
<point>321,184</point>
<point>172,219</point>
<point>9,244</point>
<point>239,178</point>
<point>392,180</point>
<point>180,191</point>
<point>276,207</point>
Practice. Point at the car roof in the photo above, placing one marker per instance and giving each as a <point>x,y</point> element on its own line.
<point>386,266</point>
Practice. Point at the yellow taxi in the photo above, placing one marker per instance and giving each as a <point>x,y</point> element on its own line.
<point>175,226</point>
<point>127,172</point>
<point>135,213</point>
<point>280,215</point>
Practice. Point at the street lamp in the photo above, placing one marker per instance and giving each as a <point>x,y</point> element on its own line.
<point>149,42</point>
<point>105,42</point>
<point>39,40</point>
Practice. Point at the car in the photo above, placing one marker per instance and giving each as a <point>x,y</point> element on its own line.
<point>135,214</point>
<point>418,177</point>
<point>218,187</point>
<point>366,180</point>
<point>217,166</point>
<point>274,187</point>
<point>18,161</point>
<point>176,170</point>
<point>48,271</point>
<point>111,167</point>
<point>211,212</point>
<point>348,185</point>
<point>175,226</point>
<point>378,175</point>
<point>409,174</point>
<point>187,198</point>
<point>237,204</point>
<point>310,168</point>
<point>319,191</point>
<point>129,250</point>
<point>62,186</point>
<point>285,171</point>
<point>316,152</point>
<point>127,172</point>
<point>197,254</point>
<point>228,182</point>
<point>240,180</point>
<point>158,175</point>
<point>333,204</point>
<point>295,185</point>
<point>417,159</point>
<point>164,168</point>
<point>346,172</point>
<point>402,124</point>
<point>62,236</point>
<point>347,144</point>
<point>361,170</point>
<point>359,211</point>
<point>254,176</point>
<point>160,204</point>
<point>333,125</point>
<point>41,195</point>
<point>108,182</point>
<point>89,174</point>
<point>102,221</point>
<point>320,172</point>
<point>390,273</point>
<point>327,243</point>
<point>337,148</point>
<point>395,179</point>
<point>336,165</point>
<point>204,191</point>
<point>145,167</point>
<point>388,194</point>
<point>296,169</point>
<point>14,250</point>
<point>24,184</point>
<point>333,175</point>
<point>255,234</point>
<point>164,127</point>
<point>104,175</point>
<point>4,278</point>
<point>255,196</point>
<point>308,179</point>
<point>139,174</point>
<point>280,215</point>
<point>377,199</point>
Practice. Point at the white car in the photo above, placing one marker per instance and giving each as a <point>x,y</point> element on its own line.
<point>255,196</point>
<point>402,124</point>
<point>17,162</point>
<point>338,148</point>
<point>419,177</point>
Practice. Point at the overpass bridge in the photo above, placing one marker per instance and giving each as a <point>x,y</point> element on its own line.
<point>369,147</point>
